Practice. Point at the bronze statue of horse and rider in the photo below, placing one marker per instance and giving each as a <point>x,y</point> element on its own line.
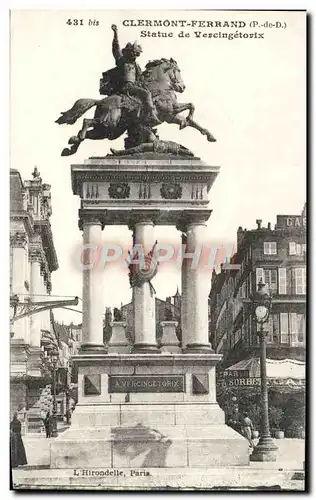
<point>137,101</point>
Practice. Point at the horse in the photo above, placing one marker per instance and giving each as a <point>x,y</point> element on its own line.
<point>119,113</point>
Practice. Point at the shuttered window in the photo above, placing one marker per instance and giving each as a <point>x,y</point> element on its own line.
<point>284,328</point>
<point>300,280</point>
<point>282,281</point>
<point>270,279</point>
<point>270,248</point>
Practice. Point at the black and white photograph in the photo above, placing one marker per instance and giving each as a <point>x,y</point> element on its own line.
<point>158,250</point>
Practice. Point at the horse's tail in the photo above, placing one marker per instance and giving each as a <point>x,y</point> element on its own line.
<point>78,109</point>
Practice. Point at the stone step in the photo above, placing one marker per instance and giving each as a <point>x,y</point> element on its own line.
<point>239,478</point>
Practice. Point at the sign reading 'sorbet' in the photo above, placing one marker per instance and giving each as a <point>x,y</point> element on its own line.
<point>162,383</point>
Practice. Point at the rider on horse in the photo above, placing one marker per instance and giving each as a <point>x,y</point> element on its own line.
<point>125,78</point>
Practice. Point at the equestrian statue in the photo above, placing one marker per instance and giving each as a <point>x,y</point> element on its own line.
<point>136,102</point>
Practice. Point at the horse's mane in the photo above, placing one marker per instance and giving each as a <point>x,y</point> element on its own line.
<point>156,62</point>
<point>153,64</point>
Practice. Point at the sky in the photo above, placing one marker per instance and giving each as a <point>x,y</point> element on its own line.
<point>250,93</point>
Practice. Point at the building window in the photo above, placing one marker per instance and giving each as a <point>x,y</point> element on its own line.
<point>284,328</point>
<point>270,248</point>
<point>300,280</point>
<point>282,281</point>
<point>301,325</point>
<point>271,279</point>
<point>276,327</point>
<point>292,329</point>
<point>259,275</point>
<point>297,248</point>
<point>267,276</point>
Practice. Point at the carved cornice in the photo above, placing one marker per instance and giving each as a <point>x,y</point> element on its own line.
<point>125,170</point>
<point>18,239</point>
<point>24,216</point>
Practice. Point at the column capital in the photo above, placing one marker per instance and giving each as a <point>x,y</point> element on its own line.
<point>18,239</point>
<point>149,217</point>
<point>35,254</point>
<point>90,218</point>
<point>190,218</point>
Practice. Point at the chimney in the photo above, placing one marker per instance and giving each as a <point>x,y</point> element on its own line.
<point>259,222</point>
<point>269,226</point>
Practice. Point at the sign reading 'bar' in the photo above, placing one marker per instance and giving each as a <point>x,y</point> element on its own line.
<point>146,383</point>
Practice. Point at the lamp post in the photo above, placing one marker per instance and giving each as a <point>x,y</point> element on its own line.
<point>54,359</point>
<point>265,449</point>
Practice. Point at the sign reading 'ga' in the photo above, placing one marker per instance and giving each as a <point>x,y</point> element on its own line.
<point>297,221</point>
<point>146,383</point>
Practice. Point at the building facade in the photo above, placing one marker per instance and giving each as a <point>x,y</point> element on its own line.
<point>277,257</point>
<point>32,260</point>
<point>69,338</point>
<point>167,309</point>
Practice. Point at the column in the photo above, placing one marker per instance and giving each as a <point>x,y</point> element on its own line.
<point>47,289</point>
<point>196,291</point>
<point>184,278</point>
<point>18,241</point>
<point>36,292</point>
<point>144,304</point>
<point>92,294</point>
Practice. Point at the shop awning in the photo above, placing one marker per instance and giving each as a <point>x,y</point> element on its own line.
<point>276,368</point>
<point>284,375</point>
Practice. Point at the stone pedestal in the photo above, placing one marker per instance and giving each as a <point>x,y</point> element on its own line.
<point>118,342</point>
<point>169,341</point>
<point>147,411</point>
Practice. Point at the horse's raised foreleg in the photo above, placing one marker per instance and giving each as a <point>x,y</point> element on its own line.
<point>203,131</point>
<point>191,123</point>
<point>188,121</point>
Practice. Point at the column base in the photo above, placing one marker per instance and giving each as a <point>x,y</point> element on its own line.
<point>87,348</point>
<point>198,348</point>
<point>265,451</point>
<point>145,348</point>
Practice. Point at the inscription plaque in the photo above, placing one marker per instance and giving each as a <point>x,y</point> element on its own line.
<point>146,383</point>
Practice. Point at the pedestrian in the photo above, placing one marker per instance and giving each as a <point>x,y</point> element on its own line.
<point>68,416</point>
<point>18,456</point>
<point>247,428</point>
<point>48,424</point>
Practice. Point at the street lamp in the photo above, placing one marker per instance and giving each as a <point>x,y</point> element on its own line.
<point>54,355</point>
<point>265,451</point>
